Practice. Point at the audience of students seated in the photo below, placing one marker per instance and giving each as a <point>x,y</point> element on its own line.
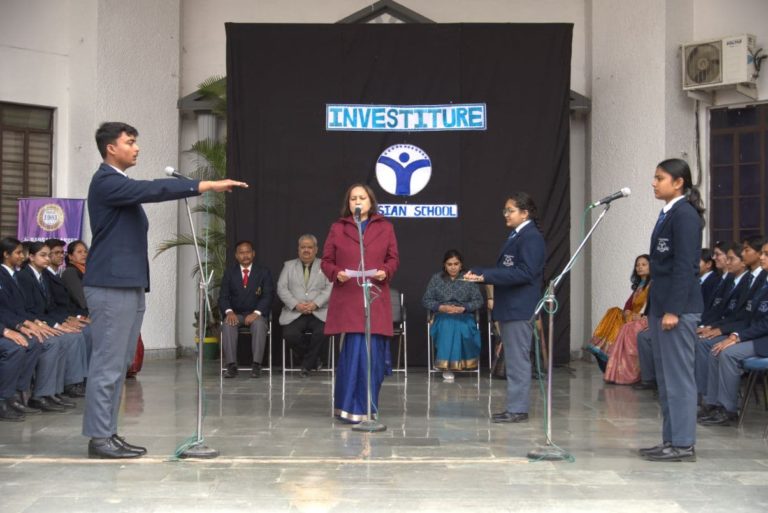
<point>610,325</point>
<point>745,334</point>
<point>454,328</point>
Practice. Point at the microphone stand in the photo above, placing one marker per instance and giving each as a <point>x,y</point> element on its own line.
<point>370,425</point>
<point>550,451</point>
<point>198,449</point>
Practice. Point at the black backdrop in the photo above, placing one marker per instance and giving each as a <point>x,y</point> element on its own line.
<point>279,80</point>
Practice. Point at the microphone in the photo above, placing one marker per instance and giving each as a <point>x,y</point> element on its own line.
<point>625,191</point>
<point>358,212</point>
<point>170,171</point>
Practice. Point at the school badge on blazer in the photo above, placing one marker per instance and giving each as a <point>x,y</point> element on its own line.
<point>258,292</point>
<point>509,261</point>
<point>662,246</point>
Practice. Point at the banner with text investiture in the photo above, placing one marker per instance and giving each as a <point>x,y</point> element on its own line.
<point>50,218</point>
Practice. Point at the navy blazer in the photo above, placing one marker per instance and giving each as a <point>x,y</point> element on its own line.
<point>709,287</point>
<point>713,311</point>
<point>754,323</point>
<point>118,255</point>
<point>675,254</point>
<point>258,295</point>
<point>37,301</point>
<point>518,275</point>
<point>735,312</point>
<point>60,298</point>
<point>12,311</point>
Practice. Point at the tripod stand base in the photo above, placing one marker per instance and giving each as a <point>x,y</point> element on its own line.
<point>548,453</point>
<point>370,426</point>
<point>199,450</point>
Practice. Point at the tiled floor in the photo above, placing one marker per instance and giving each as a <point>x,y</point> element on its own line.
<point>282,451</point>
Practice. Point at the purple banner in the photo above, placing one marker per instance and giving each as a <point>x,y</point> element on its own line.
<point>50,218</point>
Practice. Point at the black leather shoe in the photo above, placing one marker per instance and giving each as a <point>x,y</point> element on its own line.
<point>8,414</point>
<point>107,448</point>
<point>21,407</point>
<point>718,418</point>
<point>42,403</point>
<point>501,414</point>
<point>644,385</point>
<point>61,401</point>
<point>654,449</point>
<point>705,410</point>
<point>74,391</point>
<point>673,453</point>
<point>231,371</point>
<point>256,370</point>
<point>510,418</point>
<point>119,440</point>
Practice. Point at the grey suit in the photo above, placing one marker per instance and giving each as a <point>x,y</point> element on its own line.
<point>292,290</point>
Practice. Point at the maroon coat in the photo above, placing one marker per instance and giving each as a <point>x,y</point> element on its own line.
<point>342,251</point>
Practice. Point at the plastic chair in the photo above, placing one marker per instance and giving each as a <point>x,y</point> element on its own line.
<point>289,365</point>
<point>755,367</point>
<point>399,330</point>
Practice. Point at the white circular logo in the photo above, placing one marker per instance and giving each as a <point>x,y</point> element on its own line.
<point>403,169</point>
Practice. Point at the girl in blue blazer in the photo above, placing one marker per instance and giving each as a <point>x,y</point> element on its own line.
<point>675,308</point>
<point>517,279</point>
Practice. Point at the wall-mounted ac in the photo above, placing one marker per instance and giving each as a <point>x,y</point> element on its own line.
<point>720,64</point>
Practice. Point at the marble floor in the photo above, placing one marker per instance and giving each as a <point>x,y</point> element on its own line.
<point>280,450</point>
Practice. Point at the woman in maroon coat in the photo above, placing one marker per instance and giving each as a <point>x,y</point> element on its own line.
<point>341,254</point>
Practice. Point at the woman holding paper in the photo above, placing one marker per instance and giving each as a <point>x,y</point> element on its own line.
<point>346,314</point>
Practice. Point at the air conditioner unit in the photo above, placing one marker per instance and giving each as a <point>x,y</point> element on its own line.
<point>719,63</point>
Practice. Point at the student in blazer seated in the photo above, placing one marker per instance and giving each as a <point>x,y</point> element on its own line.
<point>739,341</point>
<point>36,285</point>
<point>709,276</point>
<point>304,291</point>
<point>245,299</point>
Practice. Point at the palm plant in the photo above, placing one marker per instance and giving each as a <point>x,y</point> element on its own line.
<point>212,165</point>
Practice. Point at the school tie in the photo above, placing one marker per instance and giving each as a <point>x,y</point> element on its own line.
<point>660,220</point>
<point>306,275</point>
<point>245,278</point>
<point>42,284</point>
<point>512,235</point>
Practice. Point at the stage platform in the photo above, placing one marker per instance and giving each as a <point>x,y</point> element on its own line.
<point>282,451</point>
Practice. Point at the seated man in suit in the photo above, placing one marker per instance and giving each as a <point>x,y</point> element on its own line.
<point>245,298</point>
<point>304,291</point>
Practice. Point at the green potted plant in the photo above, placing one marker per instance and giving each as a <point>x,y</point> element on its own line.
<point>212,165</point>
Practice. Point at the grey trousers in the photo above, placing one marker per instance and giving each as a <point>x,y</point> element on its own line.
<point>645,354</point>
<point>729,373</point>
<point>116,317</point>
<point>516,336</point>
<point>75,360</point>
<point>706,379</point>
<point>49,367</point>
<point>673,358</point>
<point>258,339</point>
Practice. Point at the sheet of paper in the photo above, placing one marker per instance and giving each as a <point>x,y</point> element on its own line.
<point>358,274</point>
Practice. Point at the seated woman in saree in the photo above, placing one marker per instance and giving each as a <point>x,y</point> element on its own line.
<point>453,303</point>
<point>608,328</point>
<point>623,366</point>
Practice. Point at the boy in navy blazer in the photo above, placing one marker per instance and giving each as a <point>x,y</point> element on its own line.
<point>118,276</point>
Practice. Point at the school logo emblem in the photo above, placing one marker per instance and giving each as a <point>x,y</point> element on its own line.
<point>763,308</point>
<point>662,246</point>
<point>509,261</point>
<point>50,217</point>
<point>403,169</point>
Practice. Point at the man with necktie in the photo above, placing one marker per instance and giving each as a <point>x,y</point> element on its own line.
<point>304,291</point>
<point>245,299</point>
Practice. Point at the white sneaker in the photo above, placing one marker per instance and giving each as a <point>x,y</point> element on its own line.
<point>448,376</point>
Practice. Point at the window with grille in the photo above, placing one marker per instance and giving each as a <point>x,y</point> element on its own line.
<point>738,172</point>
<point>26,152</point>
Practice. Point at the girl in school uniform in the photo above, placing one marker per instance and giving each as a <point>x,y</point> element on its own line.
<point>517,278</point>
<point>675,308</point>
